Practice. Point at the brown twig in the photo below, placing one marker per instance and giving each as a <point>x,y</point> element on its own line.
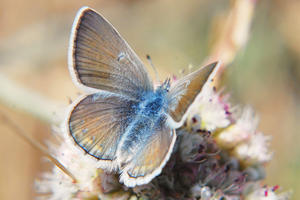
<point>24,99</point>
<point>21,133</point>
<point>231,33</point>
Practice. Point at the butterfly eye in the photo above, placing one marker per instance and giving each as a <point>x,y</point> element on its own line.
<point>167,85</point>
<point>168,88</point>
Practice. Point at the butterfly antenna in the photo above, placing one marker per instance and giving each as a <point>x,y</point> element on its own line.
<point>153,67</point>
<point>20,132</point>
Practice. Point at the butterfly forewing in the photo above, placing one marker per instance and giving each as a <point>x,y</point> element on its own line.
<point>97,123</point>
<point>101,59</point>
<point>185,90</point>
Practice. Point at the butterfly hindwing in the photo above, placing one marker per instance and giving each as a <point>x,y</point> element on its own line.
<point>184,91</point>
<point>99,58</point>
<point>149,158</point>
<point>97,122</point>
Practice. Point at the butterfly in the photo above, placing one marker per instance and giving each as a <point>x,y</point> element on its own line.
<point>123,121</point>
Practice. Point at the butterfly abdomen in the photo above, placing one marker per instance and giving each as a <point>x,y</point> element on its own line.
<point>150,114</point>
<point>139,131</point>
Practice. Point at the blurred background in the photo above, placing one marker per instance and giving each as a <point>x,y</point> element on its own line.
<point>262,70</point>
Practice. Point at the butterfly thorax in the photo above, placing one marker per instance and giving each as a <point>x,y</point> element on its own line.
<point>153,104</point>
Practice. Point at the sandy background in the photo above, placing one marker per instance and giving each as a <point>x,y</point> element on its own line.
<point>33,55</point>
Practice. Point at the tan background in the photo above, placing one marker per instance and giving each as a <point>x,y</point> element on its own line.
<point>266,73</point>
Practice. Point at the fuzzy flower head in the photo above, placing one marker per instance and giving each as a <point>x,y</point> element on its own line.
<point>217,155</point>
<point>267,193</point>
<point>242,130</point>
<point>244,141</point>
<point>256,150</point>
<point>209,111</point>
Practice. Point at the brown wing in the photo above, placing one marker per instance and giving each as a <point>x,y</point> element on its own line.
<point>184,91</point>
<point>100,58</point>
<point>97,123</point>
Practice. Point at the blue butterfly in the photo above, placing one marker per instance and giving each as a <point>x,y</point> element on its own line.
<point>124,122</point>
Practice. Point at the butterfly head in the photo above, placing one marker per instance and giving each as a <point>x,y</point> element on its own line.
<point>165,87</point>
